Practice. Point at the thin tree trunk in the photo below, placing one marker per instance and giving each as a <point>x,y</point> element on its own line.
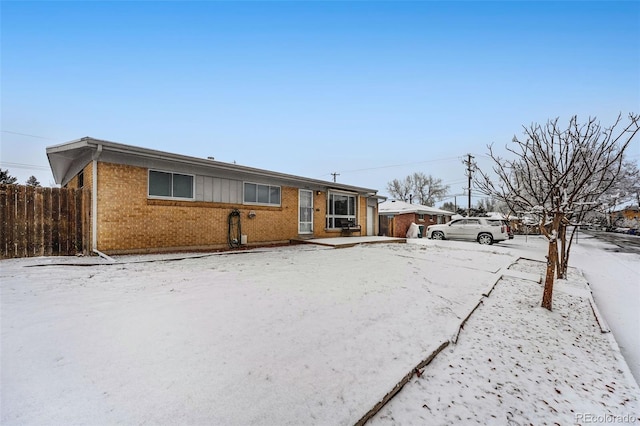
<point>552,262</point>
<point>561,272</point>
<point>547,295</point>
<point>565,264</point>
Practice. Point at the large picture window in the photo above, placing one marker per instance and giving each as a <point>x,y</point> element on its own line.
<point>170,185</point>
<point>255,193</point>
<point>341,209</point>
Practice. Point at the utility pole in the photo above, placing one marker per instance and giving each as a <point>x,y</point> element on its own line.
<point>469,165</point>
<point>334,174</point>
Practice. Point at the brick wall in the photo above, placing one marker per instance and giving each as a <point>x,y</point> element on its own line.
<point>430,220</point>
<point>402,223</point>
<point>320,216</point>
<point>128,221</point>
<point>87,173</point>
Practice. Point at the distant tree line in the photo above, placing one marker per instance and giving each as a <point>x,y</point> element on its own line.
<point>7,179</point>
<point>482,208</point>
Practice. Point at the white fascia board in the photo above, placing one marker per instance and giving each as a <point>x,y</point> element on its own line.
<point>115,147</point>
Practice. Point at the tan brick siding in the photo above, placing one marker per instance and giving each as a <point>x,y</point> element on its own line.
<point>87,227</point>
<point>128,221</point>
<point>320,216</point>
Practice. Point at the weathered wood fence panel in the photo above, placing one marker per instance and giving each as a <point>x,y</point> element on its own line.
<point>43,221</point>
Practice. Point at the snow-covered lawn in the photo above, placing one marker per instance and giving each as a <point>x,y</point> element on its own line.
<point>295,335</point>
<point>517,363</point>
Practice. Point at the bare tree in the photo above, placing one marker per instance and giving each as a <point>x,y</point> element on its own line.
<point>491,205</point>
<point>426,189</point>
<point>401,190</point>
<point>559,174</point>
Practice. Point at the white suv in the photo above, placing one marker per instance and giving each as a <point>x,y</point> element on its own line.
<point>485,230</point>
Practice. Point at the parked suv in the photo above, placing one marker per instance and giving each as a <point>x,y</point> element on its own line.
<point>505,223</point>
<point>485,230</point>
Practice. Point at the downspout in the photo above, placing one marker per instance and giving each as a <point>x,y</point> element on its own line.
<point>94,199</point>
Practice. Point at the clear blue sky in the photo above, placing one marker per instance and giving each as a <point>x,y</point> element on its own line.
<point>371,90</point>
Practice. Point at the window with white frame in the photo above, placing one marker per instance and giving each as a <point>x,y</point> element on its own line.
<point>305,212</point>
<point>255,193</point>
<point>341,209</point>
<point>170,185</point>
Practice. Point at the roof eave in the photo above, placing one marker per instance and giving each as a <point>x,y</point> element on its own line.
<point>57,151</point>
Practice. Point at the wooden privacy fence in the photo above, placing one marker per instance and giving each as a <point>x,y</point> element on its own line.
<point>43,221</point>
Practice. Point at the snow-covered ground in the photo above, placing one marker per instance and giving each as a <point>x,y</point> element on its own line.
<point>517,363</point>
<point>615,282</point>
<point>295,335</point>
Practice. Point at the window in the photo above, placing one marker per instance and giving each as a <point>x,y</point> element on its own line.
<point>170,185</point>
<point>341,209</point>
<point>81,179</point>
<point>421,216</point>
<point>255,193</point>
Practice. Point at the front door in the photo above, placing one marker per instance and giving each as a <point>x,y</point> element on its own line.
<point>370,220</point>
<point>305,212</point>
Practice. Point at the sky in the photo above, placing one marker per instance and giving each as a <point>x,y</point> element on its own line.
<point>371,90</point>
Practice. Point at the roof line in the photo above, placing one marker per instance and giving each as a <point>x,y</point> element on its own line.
<point>163,155</point>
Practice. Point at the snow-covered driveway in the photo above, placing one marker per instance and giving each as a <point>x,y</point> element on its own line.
<point>285,336</point>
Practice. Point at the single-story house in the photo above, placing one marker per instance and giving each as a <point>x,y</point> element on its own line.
<point>629,213</point>
<point>395,217</point>
<point>143,200</point>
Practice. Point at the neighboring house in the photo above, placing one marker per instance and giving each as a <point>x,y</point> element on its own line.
<point>629,213</point>
<point>397,216</point>
<point>145,200</point>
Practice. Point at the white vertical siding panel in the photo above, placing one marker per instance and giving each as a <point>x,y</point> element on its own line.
<point>226,183</point>
<point>199,188</point>
<point>208,189</point>
<point>217,190</point>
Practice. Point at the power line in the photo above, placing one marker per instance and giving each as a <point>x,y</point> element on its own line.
<point>454,182</point>
<point>26,134</point>
<point>24,166</point>
<point>397,165</point>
